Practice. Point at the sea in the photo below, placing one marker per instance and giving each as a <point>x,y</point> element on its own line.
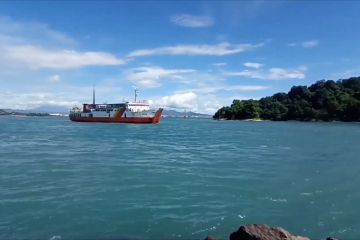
<point>180,179</point>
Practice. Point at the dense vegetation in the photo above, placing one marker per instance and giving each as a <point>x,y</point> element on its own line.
<point>325,100</point>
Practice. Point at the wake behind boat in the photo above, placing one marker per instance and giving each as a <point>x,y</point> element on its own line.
<point>127,112</point>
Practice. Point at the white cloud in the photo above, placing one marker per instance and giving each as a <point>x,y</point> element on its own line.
<point>280,73</point>
<point>15,100</point>
<point>186,20</point>
<point>271,74</point>
<point>150,77</point>
<point>37,46</point>
<point>180,100</point>
<point>65,96</point>
<point>197,102</point>
<point>219,64</point>
<point>60,100</point>
<point>244,88</point>
<point>38,58</point>
<point>218,88</point>
<point>35,33</point>
<point>204,99</point>
<point>54,78</point>
<point>310,44</point>
<point>305,44</point>
<point>220,49</point>
<point>346,74</point>
<point>253,65</point>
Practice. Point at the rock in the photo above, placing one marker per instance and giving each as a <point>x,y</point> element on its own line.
<point>210,238</point>
<point>263,232</point>
<point>331,238</point>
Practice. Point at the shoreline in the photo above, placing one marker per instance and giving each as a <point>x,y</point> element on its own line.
<point>290,120</point>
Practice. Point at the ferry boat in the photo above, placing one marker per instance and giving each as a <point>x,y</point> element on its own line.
<point>127,112</point>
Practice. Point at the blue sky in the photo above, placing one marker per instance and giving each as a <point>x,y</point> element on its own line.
<point>194,55</point>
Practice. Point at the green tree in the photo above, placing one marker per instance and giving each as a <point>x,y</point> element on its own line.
<point>323,100</point>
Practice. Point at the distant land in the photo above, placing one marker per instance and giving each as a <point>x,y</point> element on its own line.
<point>62,111</point>
<point>323,101</point>
<point>4,112</point>
<point>174,113</point>
<point>46,109</point>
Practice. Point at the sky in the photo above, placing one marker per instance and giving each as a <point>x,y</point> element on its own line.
<point>186,55</point>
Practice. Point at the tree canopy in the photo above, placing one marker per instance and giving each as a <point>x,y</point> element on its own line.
<point>324,100</point>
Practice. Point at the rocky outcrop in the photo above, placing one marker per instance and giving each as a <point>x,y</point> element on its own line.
<point>263,232</point>
<point>210,238</point>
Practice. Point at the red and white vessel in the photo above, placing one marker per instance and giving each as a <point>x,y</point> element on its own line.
<point>127,112</point>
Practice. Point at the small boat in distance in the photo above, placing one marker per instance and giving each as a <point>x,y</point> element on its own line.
<point>127,112</point>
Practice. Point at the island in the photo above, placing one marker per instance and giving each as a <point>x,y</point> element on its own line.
<point>322,101</point>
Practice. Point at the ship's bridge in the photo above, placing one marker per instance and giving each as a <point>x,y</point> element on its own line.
<point>137,106</point>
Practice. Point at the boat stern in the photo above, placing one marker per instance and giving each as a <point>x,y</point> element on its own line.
<point>158,114</point>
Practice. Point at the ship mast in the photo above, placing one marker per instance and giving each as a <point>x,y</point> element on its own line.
<point>93,95</point>
<point>136,93</point>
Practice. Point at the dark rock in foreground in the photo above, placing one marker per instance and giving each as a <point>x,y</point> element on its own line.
<point>263,232</point>
<point>210,238</point>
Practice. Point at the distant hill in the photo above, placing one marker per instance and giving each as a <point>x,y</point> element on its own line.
<point>38,111</point>
<point>50,109</point>
<point>174,113</point>
<point>3,112</point>
<point>21,113</point>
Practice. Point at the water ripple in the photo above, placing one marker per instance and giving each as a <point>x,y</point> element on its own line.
<point>180,179</point>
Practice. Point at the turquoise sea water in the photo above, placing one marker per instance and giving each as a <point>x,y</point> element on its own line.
<point>181,179</point>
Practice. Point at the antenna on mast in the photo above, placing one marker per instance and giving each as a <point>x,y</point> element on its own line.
<point>93,95</point>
